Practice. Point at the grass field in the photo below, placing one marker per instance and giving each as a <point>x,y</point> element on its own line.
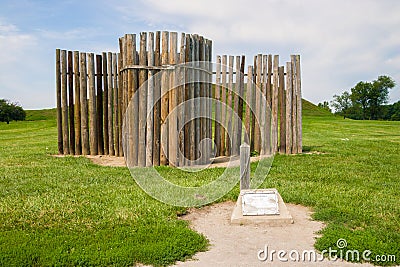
<point>68,211</point>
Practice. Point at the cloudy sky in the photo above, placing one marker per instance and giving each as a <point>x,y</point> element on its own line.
<point>341,42</point>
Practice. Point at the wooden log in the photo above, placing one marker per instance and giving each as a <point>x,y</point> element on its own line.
<point>289,91</point>
<point>181,101</point>
<point>59,109</point>
<point>229,122</point>
<point>217,127</point>
<point>269,106</point>
<point>282,111</point>
<point>196,96</point>
<point>84,105</point>
<point>105,104</point>
<point>131,95</point>
<point>121,108</point>
<point>188,96</point>
<point>241,100</point>
<point>92,107</point>
<point>264,106</point>
<point>157,104</point>
<point>223,103</point>
<point>71,115</point>
<point>253,103</point>
<point>299,107</point>
<point>173,103</point>
<point>150,101</point>
<point>77,105</point>
<point>110,103</point>
<point>202,101</point>
<point>164,100</point>
<point>134,123</point>
<point>249,96</point>
<point>115,103</point>
<point>274,108</point>
<point>235,119</point>
<point>192,79</point>
<point>142,102</point>
<point>64,102</point>
<point>294,105</point>
<point>210,102</point>
<point>244,167</point>
<point>258,94</point>
<point>99,104</point>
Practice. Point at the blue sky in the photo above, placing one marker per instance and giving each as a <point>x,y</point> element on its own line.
<point>340,42</point>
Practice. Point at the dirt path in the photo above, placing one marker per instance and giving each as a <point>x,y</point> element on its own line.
<point>235,245</point>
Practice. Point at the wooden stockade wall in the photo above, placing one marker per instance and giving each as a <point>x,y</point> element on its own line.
<point>159,81</point>
<point>271,116</point>
<point>89,103</point>
<point>95,93</point>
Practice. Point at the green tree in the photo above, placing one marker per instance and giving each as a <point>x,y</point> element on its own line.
<point>342,103</point>
<point>370,96</point>
<point>379,95</point>
<point>325,105</point>
<point>11,111</point>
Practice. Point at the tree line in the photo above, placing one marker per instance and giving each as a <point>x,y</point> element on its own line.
<point>366,101</point>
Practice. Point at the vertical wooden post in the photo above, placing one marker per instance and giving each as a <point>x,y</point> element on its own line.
<point>181,100</point>
<point>189,93</point>
<point>150,101</point>
<point>157,105</point>
<point>64,102</point>
<point>282,109</point>
<point>59,110</point>
<point>202,102</point>
<point>121,108</point>
<point>259,115</point>
<point>192,80</point>
<point>111,150</point>
<point>224,103</point>
<point>173,99</point>
<point>217,127</point>
<point>274,108</point>
<point>299,107</point>
<point>71,104</point>
<point>264,105</point>
<point>132,122</point>
<point>116,108</point>
<point>99,103</point>
<point>209,96</point>
<point>229,122</point>
<point>235,120</point>
<point>77,105</point>
<point>289,90</point>
<point>244,166</point>
<point>196,96</point>
<point>294,106</point>
<point>241,98</point>
<point>92,107</point>
<point>164,100</point>
<point>269,106</point>
<point>105,104</point>
<point>253,103</point>
<point>142,102</point>
<point>249,96</point>
<point>84,105</point>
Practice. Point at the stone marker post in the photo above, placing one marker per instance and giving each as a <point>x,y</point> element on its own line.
<point>244,166</point>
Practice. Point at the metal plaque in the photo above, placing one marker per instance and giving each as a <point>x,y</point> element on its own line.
<point>260,203</point>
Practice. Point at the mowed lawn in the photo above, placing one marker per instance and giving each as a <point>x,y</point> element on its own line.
<point>68,211</point>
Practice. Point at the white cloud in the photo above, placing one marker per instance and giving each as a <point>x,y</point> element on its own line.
<point>341,42</point>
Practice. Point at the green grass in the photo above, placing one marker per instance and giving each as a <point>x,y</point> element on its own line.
<point>67,211</point>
